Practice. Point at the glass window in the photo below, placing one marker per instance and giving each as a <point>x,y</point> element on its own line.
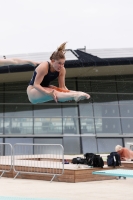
<point>48,125</point>
<point>86,118</point>
<point>70,125</point>
<point>48,141</point>
<point>18,126</point>
<point>103,122</point>
<point>70,84</point>
<point>127,142</point>
<point>127,125</point>
<point>107,145</point>
<point>71,145</point>
<point>89,144</point>
<point>18,86</point>
<point>106,110</point>
<point>126,110</point>
<point>125,98</point>
<point>54,150</point>
<point>108,86</point>
<point>1,97</point>
<point>84,85</point>
<point>16,97</point>
<point>86,109</point>
<point>1,110</point>
<point>87,125</point>
<point>105,78</point>
<point>108,125</point>
<point>47,119</point>
<point>1,126</point>
<point>16,92</point>
<point>47,111</point>
<point>1,87</point>
<point>70,119</point>
<point>20,149</point>
<point>1,147</point>
<point>18,110</point>
<point>104,97</point>
<point>124,87</point>
<point>102,89</point>
<point>69,110</point>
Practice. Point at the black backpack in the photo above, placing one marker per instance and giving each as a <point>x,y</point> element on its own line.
<point>79,160</point>
<point>113,159</point>
<point>94,160</point>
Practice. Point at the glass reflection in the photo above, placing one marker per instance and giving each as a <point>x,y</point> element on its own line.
<point>1,110</point>
<point>70,125</point>
<point>48,125</point>
<point>16,97</point>
<point>1,97</point>
<point>18,110</point>
<point>1,125</point>
<point>109,98</point>
<point>18,126</point>
<point>108,125</point>
<point>70,120</point>
<point>47,110</point>
<point>87,125</point>
<point>86,118</point>
<point>126,110</point>
<point>127,125</point>
<point>106,110</point>
<point>112,105</point>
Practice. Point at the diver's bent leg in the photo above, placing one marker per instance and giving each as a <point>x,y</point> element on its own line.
<point>68,96</point>
<point>36,96</point>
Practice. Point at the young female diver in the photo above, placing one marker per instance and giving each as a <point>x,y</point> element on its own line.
<point>40,90</point>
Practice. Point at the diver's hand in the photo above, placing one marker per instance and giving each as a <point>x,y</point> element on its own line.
<point>53,95</point>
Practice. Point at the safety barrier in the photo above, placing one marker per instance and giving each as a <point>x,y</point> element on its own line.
<point>5,161</point>
<point>38,159</point>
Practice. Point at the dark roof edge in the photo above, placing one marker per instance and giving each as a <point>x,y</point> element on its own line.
<point>91,60</point>
<point>84,60</point>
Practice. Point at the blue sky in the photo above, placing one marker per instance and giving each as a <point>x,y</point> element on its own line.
<point>28,26</point>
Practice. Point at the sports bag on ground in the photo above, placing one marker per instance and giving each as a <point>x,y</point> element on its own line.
<point>113,159</point>
<point>79,160</point>
<point>94,160</point>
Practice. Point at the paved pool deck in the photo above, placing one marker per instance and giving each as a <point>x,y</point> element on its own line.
<point>35,190</point>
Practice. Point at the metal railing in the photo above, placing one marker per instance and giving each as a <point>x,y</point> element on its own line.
<point>38,159</point>
<point>5,161</point>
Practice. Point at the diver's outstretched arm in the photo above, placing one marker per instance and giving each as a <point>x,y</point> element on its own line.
<point>17,61</point>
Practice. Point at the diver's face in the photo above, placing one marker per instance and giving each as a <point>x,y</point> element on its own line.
<point>58,64</point>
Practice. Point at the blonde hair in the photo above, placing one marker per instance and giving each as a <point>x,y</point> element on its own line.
<point>59,53</point>
<point>118,148</point>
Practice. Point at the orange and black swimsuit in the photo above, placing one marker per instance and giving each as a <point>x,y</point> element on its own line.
<point>50,76</point>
